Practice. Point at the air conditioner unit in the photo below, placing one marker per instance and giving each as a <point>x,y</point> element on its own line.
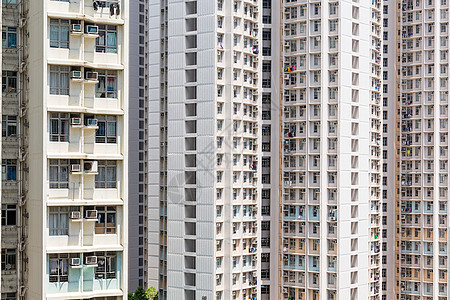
<point>74,215</point>
<point>92,122</point>
<point>91,214</point>
<point>75,168</point>
<point>75,121</point>
<point>90,166</point>
<point>91,260</point>
<point>92,29</point>
<point>255,26</point>
<point>76,28</point>
<point>287,44</point>
<point>75,261</point>
<point>75,75</point>
<point>92,76</point>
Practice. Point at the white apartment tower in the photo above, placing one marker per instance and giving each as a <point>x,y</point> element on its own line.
<point>64,149</point>
<point>423,241</point>
<point>213,149</point>
<point>331,128</point>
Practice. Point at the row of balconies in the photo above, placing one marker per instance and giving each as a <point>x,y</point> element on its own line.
<point>84,273</point>
<point>104,9</point>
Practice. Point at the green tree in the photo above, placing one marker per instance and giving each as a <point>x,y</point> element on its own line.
<point>140,294</point>
<point>151,293</point>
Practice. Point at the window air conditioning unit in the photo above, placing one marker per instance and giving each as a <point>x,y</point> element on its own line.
<point>75,261</point>
<point>90,166</point>
<point>92,76</point>
<point>75,168</point>
<point>75,215</point>
<point>92,29</point>
<point>75,75</point>
<point>75,121</point>
<point>91,214</point>
<point>76,27</point>
<point>92,122</point>
<point>91,260</point>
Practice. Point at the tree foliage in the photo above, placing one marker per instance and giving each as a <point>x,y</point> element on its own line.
<point>140,294</point>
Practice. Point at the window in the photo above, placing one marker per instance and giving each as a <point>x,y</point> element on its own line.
<point>266,115</point>
<point>9,215</point>
<point>107,40</point>
<point>9,37</point>
<point>58,220</point>
<point>59,80</point>
<point>9,167</point>
<point>9,82</point>
<point>107,175</point>
<point>266,147</point>
<point>267,66</point>
<point>266,83</point>
<point>9,2</point>
<point>59,173</point>
<point>59,127</point>
<point>59,267</point>
<point>106,265</point>
<point>266,35</point>
<point>59,33</point>
<point>266,51</point>
<point>107,84</point>
<point>106,223</point>
<point>8,259</point>
<point>107,129</point>
<point>267,19</point>
<point>9,126</point>
<point>8,296</point>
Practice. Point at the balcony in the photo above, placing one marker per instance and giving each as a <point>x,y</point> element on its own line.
<point>81,188</point>
<point>84,273</point>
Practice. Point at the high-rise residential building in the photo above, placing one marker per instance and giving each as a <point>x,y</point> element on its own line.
<point>423,71</point>
<point>331,161</point>
<point>64,149</point>
<point>213,149</point>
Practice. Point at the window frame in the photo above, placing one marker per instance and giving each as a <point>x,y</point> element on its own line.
<point>60,224</point>
<point>104,76</point>
<point>105,213</point>
<point>101,180</point>
<point>60,85</point>
<point>104,31</point>
<point>107,136</point>
<point>9,82</point>
<point>62,29</point>
<point>62,173</point>
<point>9,169</point>
<point>7,256</point>
<point>106,265</point>
<point>62,268</point>
<point>9,126</point>
<point>62,123</point>
<point>9,37</point>
<point>9,218</point>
